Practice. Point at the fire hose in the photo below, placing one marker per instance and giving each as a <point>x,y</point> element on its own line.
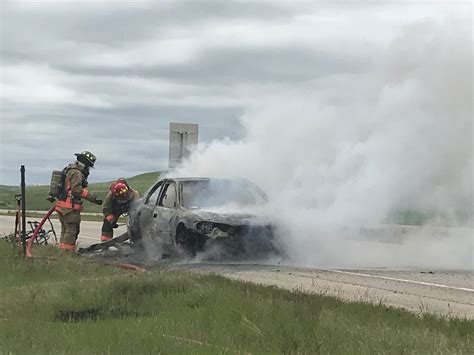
<point>35,232</point>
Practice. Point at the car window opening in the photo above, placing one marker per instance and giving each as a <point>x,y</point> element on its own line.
<point>219,192</point>
<point>168,198</point>
<point>153,194</point>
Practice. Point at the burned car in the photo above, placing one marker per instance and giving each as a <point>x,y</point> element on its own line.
<point>189,214</point>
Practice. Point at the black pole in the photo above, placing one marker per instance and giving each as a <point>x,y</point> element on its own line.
<point>23,210</point>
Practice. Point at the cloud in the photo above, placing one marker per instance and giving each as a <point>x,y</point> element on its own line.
<point>39,84</point>
<point>110,76</point>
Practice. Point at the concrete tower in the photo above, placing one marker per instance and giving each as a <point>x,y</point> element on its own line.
<point>183,136</point>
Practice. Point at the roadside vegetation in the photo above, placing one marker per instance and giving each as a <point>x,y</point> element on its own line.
<point>36,201</point>
<point>37,216</point>
<point>58,303</point>
<point>36,195</point>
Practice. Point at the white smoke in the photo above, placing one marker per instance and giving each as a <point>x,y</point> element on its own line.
<point>348,150</point>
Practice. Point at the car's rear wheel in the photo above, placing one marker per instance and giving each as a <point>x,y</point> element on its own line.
<point>134,229</point>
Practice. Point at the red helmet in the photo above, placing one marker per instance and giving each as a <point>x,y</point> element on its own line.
<point>119,180</point>
<point>120,190</point>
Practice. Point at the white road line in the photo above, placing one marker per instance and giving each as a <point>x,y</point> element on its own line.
<point>400,280</point>
<point>83,237</point>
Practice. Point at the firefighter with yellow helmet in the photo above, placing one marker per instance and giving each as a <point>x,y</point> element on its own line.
<point>117,202</point>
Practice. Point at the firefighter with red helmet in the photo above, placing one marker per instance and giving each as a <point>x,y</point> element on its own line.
<point>69,202</point>
<point>117,202</point>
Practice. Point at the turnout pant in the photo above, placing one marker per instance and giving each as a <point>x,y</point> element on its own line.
<point>70,227</point>
<point>107,230</point>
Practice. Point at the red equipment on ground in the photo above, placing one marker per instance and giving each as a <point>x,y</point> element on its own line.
<point>29,246</point>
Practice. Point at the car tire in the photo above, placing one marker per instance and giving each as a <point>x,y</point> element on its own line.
<point>187,240</point>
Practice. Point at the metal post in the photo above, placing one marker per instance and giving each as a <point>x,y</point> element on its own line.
<point>23,210</point>
<point>18,222</point>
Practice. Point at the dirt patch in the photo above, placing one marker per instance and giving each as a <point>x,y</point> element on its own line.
<point>95,314</point>
<point>78,315</point>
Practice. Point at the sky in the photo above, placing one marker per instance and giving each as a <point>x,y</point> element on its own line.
<point>109,76</point>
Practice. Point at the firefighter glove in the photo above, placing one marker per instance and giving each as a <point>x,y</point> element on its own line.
<point>93,198</point>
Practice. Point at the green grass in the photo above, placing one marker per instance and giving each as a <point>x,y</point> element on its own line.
<point>36,201</point>
<point>36,195</point>
<point>461,217</point>
<point>84,217</point>
<point>411,217</point>
<point>69,304</point>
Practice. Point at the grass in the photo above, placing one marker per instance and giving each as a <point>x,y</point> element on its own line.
<point>69,304</point>
<point>84,217</point>
<point>418,217</point>
<point>36,195</point>
<point>36,201</point>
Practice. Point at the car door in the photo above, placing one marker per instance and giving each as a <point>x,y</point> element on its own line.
<point>145,215</point>
<point>165,212</point>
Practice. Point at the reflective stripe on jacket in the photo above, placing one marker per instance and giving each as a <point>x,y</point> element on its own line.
<point>74,190</point>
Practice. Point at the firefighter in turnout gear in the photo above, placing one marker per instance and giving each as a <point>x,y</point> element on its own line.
<point>117,202</point>
<point>69,204</point>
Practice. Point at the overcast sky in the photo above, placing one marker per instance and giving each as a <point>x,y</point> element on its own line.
<point>109,76</point>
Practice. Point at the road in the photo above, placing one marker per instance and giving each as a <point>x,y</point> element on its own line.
<point>90,231</point>
<point>444,292</point>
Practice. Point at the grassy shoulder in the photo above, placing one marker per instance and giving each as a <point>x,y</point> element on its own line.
<point>84,217</point>
<point>60,303</point>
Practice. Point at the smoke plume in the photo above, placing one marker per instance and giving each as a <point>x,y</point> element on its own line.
<point>350,150</point>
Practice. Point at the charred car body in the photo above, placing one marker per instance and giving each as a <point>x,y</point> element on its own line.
<point>192,213</point>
